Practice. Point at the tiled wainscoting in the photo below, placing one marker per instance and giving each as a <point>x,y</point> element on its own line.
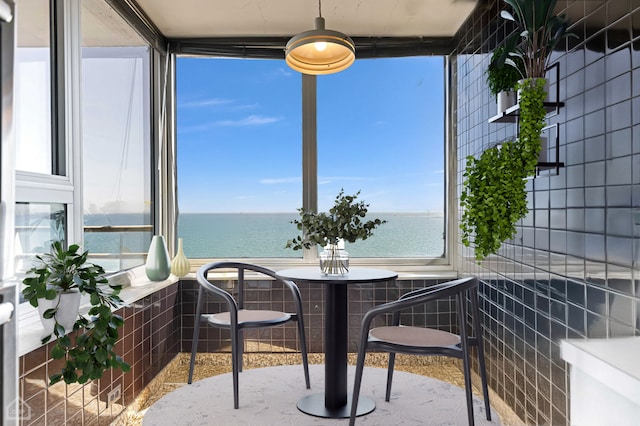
<point>148,341</point>
<point>361,298</point>
<point>161,325</point>
<point>572,271</point>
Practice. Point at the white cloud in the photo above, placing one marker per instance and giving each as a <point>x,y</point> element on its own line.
<point>205,103</point>
<point>252,120</point>
<point>272,181</point>
<point>285,72</point>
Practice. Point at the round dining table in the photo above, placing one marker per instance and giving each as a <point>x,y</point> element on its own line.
<point>335,402</point>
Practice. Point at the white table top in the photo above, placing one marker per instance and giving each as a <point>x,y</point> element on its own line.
<point>355,275</point>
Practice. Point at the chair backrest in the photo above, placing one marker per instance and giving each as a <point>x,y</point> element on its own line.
<point>240,267</point>
<point>456,288</point>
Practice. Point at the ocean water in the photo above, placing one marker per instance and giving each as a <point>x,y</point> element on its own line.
<point>259,235</point>
<point>264,235</point>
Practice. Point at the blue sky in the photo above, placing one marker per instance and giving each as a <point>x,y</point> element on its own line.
<point>380,131</point>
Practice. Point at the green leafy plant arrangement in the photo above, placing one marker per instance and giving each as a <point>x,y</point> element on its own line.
<point>532,121</point>
<point>91,350</point>
<point>501,77</point>
<point>345,220</point>
<point>493,197</point>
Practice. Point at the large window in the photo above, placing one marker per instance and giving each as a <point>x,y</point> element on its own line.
<point>239,157</point>
<point>83,133</point>
<point>380,130</point>
<point>37,226</point>
<point>32,80</point>
<point>116,140</point>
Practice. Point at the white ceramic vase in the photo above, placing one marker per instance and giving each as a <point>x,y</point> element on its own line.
<point>180,265</point>
<point>68,304</point>
<point>546,90</point>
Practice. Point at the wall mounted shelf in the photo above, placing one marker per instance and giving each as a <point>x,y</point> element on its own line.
<point>550,136</point>
<point>510,115</point>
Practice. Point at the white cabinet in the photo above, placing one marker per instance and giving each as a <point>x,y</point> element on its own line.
<point>605,380</point>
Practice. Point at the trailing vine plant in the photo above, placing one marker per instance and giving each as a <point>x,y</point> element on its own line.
<point>532,114</point>
<point>493,197</point>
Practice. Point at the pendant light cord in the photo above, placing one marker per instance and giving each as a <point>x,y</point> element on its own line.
<point>320,8</point>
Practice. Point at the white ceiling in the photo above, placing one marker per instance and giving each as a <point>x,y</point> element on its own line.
<point>365,18</point>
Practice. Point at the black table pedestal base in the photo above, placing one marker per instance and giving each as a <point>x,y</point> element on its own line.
<point>314,405</point>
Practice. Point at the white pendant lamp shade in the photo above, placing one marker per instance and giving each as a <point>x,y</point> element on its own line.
<point>320,51</point>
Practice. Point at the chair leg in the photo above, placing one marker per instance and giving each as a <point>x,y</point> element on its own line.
<point>390,367</point>
<point>357,382</point>
<point>477,329</point>
<point>240,348</point>
<point>303,349</point>
<point>464,343</point>
<point>194,348</point>
<point>235,365</point>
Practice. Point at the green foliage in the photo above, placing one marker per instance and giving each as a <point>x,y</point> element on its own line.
<point>91,350</point>
<point>500,76</point>
<point>345,220</point>
<point>493,196</point>
<point>532,120</point>
<point>538,31</point>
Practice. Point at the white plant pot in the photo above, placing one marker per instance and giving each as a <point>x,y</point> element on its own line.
<point>68,308</point>
<point>505,100</point>
<point>546,90</point>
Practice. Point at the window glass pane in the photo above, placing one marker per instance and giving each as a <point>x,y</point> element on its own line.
<point>239,157</point>
<point>115,138</point>
<point>32,80</point>
<point>37,226</point>
<point>381,132</point>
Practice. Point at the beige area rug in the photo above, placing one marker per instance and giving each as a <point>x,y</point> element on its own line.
<point>268,396</point>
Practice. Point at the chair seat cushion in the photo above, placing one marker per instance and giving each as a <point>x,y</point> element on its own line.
<point>414,336</point>
<point>247,317</point>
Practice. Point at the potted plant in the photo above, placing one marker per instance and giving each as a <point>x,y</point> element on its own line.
<point>538,31</point>
<point>502,79</point>
<point>344,222</point>
<point>65,274</point>
<point>493,196</point>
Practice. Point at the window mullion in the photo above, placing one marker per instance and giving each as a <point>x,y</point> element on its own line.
<point>309,152</point>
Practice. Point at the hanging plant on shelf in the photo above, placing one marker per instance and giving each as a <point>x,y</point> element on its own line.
<point>493,196</point>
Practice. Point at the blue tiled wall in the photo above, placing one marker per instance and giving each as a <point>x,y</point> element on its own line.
<point>572,269</point>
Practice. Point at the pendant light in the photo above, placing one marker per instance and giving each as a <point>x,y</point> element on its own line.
<point>320,51</point>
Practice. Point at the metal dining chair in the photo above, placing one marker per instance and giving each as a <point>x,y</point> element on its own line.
<point>398,338</point>
<point>236,318</point>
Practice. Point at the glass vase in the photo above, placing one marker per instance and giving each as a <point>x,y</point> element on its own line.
<point>158,265</point>
<point>334,260</point>
<point>180,265</point>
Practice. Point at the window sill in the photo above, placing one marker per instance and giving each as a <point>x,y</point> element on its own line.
<point>135,284</point>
